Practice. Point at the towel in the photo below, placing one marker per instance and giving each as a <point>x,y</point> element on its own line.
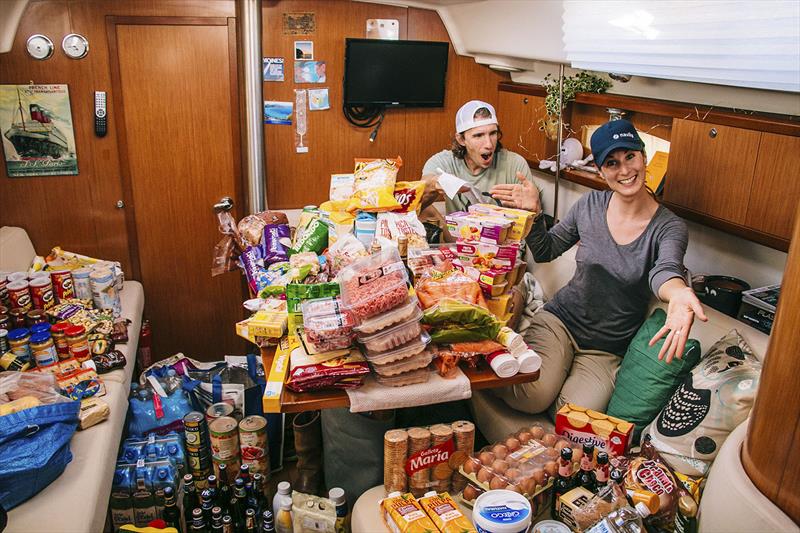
<point>504,364</point>
<point>529,361</point>
<point>372,396</point>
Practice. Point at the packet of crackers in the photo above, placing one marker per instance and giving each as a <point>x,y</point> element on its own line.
<point>402,513</point>
<point>583,426</point>
<point>422,459</point>
<point>444,512</point>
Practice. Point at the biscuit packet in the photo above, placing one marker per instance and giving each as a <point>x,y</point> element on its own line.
<point>375,180</point>
<point>581,426</point>
<point>401,513</point>
<point>444,513</point>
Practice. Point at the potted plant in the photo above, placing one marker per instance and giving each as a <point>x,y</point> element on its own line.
<point>582,82</point>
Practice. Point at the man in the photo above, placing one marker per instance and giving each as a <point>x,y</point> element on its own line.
<point>478,157</point>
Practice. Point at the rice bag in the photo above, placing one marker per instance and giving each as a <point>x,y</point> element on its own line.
<point>374,185</point>
<point>273,250</point>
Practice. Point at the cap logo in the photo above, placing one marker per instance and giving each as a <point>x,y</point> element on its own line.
<point>616,136</point>
<point>625,134</point>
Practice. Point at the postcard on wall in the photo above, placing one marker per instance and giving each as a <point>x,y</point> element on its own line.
<point>299,23</point>
<point>273,69</point>
<point>304,50</point>
<point>318,99</point>
<point>278,112</point>
<point>309,72</point>
<point>37,133</point>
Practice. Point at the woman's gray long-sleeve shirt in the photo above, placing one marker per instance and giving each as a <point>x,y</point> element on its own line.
<point>605,302</point>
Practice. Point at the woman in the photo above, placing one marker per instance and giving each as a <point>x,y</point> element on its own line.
<point>628,246</point>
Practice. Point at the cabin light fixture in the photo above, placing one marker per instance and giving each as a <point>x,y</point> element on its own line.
<point>504,68</point>
<point>615,113</point>
<point>741,44</point>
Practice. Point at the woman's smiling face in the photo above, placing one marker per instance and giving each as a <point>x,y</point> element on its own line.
<point>624,171</point>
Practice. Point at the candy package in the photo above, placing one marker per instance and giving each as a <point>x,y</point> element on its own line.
<point>374,185</point>
<point>273,249</point>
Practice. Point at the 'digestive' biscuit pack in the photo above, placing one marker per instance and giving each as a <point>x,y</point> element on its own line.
<point>582,426</point>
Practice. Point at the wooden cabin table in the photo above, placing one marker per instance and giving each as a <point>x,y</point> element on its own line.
<point>481,377</point>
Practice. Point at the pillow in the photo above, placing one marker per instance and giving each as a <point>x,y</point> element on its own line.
<point>644,384</point>
<point>714,399</point>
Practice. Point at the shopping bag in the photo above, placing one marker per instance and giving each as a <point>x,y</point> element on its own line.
<point>34,449</point>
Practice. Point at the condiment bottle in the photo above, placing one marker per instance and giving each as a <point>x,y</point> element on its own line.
<point>58,332</point>
<point>283,522</point>
<point>19,343</point>
<point>336,495</point>
<point>78,343</point>
<point>42,349</point>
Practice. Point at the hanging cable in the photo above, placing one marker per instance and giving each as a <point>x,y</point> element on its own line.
<point>374,133</point>
<point>363,117</point>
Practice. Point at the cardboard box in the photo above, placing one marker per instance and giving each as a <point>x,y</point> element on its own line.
<point>580,426</point>
<point>271,400</point>
<point>568,503</point>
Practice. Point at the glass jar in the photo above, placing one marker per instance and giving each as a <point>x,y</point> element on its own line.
<point>18,317</point>
<point>19,343</point>
<point>35,316</point>
<point>43,349</point>
<point>78,343</point>
<point>58,332</point>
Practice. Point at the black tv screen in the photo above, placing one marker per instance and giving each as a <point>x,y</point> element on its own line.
<point>394,73</point>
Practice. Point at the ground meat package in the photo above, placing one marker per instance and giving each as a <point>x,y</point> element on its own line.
<point>375,284</point>
<point>421,459</point>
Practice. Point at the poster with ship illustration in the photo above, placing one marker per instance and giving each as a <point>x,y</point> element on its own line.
<point>36,127</point>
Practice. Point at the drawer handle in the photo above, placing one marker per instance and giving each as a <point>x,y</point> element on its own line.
<point>713,133</point>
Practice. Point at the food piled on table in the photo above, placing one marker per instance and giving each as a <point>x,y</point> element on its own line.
<point>62,318</point>
<point>365,296</point>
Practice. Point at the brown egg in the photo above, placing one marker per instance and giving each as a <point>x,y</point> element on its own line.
<point>514,488</point>
<point>498,482</point>
<point>500,451</point>
<point>470,493</point>
<point>524,436</point>
<point>499,466</point>
<point>538,475</point>
<point>551,454</point>
<point>549,440</point>
<point>512,473</point>
<point>561,444</point>
<point>537,432</point>
<point>484,475</point>
<point>486,458</point>
<point>512,443</point>
<point>528,485</point>
<point>472,465</point>
<point>551,468</point>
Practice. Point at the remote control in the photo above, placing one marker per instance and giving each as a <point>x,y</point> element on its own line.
<point>100,115</point>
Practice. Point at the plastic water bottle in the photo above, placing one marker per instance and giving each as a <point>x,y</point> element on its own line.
<point>284,493</point>
<point>625,520</point>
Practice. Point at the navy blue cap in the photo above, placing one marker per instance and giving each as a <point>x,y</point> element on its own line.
<point>612,136</point>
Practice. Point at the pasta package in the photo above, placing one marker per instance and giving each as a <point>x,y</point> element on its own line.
<point>393,225</point>
<point>374,185</point>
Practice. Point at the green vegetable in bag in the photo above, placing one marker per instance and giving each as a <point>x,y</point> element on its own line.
<point>456,321</point>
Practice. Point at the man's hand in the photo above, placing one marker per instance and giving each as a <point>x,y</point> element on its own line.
<point>433,190</point>
<point>522,195</point>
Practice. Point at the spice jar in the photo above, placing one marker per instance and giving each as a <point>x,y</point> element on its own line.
<point>78,343</point>
<point>43,349</point>
<point>58,332</point>
<point>18,342</point>
<point>35,316</point>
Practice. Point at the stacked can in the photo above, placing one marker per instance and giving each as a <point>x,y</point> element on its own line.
<point>62,284</point>
<point>197,450</point>
<point>218,410</point>
<point>104,292</point>
<point>253,444</point>
<point>225,443</point>
<point>41,291</point>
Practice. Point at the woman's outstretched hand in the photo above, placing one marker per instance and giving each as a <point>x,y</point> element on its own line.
<point>681,312</point>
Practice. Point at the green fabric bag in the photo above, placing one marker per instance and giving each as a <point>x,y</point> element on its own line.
<point>645,384</point>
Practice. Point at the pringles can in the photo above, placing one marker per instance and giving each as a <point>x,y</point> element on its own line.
<point>42,293</point>
<point>62,284</point>
<point>19,295</point>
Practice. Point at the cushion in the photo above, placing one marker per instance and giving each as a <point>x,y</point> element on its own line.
<point>644,384</point>
<point>713,399</point>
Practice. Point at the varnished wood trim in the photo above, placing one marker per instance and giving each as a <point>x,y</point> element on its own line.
<point>766,239</point>
<point>782,124</point>
<point>172,21</point>
<point>118,110</point>
<point>236,128</point>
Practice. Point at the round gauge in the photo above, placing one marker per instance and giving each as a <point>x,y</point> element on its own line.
<point>75,46</point>
<point>39,46</point>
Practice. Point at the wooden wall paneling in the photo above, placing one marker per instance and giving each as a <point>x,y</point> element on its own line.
<point>775,185</point>
<point>590,115</point>
<point>712,175</point>
<point>56,210</point>
<point>771,451</point>
<point>430,130</point>
<point>519,116</point>
<point>294,180</point>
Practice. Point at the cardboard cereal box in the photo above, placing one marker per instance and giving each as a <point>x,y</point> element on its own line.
<point>581,426</point>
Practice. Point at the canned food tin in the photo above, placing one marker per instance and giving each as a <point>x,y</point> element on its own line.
<point>81,284</point>
<point>19,295</point>
<point>253,443</point>
<point>42,292</point>
<point>62,284</point>
<point>224,437</point>
<point>196,431</point>
<point>217,410</point>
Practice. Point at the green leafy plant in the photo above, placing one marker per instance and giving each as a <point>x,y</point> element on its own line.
<point>582,82</point>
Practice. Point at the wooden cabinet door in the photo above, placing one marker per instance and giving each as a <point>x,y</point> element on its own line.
<point>519,116</point>
<point>776,189</point>
<point>711,169</point>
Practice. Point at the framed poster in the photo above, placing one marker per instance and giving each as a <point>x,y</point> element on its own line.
<point>37,133</point>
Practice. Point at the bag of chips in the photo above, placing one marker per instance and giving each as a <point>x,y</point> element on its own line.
<point>409,195</point>
<point>374,185</point>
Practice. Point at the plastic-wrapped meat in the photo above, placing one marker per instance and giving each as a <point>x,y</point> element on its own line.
<point>374,284</point>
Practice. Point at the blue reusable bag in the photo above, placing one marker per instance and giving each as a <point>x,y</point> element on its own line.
<point>34,449</point>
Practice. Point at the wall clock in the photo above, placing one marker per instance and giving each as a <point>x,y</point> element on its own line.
<point>39,46</point>
<point>75,46</point>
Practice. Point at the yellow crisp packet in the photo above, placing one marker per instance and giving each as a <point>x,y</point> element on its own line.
<point>403,514</point>
<point>374,185</point>
<point>443,510</point>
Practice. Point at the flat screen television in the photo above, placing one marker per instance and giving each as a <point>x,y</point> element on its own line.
<point>382,73</point>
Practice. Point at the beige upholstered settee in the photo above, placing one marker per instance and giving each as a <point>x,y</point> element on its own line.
<point>78,500</point>
<point>731,503</point>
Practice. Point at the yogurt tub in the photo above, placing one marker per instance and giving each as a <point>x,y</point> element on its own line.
<point>501,511</point>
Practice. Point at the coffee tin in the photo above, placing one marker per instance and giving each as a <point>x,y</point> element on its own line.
<point>195,430</point>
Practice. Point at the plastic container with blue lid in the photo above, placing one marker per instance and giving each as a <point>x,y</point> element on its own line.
<point>501,511</point>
